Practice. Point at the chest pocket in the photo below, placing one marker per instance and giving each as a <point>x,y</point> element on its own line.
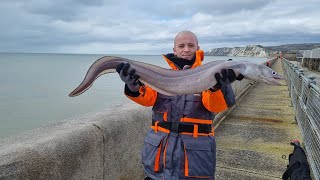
<point>194,107</point>
<point>162,107</point>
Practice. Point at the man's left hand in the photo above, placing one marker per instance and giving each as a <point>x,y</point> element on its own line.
<point>228,77</point>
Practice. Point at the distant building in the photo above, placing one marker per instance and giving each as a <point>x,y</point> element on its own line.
<point>310,59</point>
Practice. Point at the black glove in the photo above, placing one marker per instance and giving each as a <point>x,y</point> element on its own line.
<point>128,75</point>
<point>228,77</point>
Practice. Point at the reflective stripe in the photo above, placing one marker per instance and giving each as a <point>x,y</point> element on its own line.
<point>156,127</point>
<point>199,134</point>
<point>194,120</point>
<point>186,163</point>
<point>161,129</point>
<point>157,159</point>
<point>195,130</point>
<point>165,116</point>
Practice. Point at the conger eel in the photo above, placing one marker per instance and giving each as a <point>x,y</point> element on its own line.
<point>172,82</point>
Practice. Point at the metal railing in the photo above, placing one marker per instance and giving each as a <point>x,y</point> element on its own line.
<point>305,95</point>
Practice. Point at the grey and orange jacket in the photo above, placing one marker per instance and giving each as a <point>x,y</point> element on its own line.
<point>214,102</point>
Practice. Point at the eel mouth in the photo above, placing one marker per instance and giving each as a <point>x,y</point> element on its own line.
<point>279,76</point>
<point>276,81</point>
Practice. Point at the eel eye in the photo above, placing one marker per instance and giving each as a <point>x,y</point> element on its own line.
<point>274,73</point>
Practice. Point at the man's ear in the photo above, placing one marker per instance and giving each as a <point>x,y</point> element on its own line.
<point>174,51</point>
<point>198,48</point>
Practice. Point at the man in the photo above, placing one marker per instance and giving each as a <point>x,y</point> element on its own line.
<point>181,143</point>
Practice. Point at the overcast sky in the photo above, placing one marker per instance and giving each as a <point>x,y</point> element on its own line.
<point>149,27</point>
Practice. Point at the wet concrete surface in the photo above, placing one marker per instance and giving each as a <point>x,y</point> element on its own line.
<point>253,138</point>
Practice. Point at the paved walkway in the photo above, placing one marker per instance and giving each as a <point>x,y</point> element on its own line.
<point>252,139</point>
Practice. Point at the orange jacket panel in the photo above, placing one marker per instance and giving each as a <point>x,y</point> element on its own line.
<point>147,96</point>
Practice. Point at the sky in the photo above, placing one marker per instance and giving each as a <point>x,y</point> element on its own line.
<point>149,27</point>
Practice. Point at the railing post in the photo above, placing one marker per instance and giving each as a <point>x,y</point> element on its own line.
<point>311,79</point>
<point>300,74</point>
<point>295,99</point>
<point>291,79</point>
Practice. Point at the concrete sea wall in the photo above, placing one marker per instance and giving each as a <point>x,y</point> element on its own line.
<point>94,146</point>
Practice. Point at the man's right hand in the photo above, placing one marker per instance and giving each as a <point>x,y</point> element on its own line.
<point>128,75</point>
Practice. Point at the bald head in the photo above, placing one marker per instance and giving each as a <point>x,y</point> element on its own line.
<point>183,34</point>
<point>185,45</point>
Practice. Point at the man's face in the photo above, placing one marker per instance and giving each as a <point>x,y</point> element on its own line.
<point>185,46</point>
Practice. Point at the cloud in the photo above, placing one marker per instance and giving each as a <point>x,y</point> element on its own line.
<point>148,27</point>
<point>67,10</point>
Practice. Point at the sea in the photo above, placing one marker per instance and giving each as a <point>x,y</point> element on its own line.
<point>34,88</point>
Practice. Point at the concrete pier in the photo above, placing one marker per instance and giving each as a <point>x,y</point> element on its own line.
<point>253,138</point>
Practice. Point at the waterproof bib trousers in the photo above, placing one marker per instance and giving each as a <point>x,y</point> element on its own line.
<point>181,143</point>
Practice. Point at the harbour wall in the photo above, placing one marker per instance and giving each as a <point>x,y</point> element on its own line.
<point>103,145</point>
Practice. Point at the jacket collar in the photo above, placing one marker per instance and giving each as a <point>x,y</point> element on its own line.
<point>197,62</point>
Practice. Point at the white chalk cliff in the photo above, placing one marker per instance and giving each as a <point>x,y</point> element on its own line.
<point>250,50</point>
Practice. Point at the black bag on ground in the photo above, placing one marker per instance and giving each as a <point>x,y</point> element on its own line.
<point>298,168</point>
